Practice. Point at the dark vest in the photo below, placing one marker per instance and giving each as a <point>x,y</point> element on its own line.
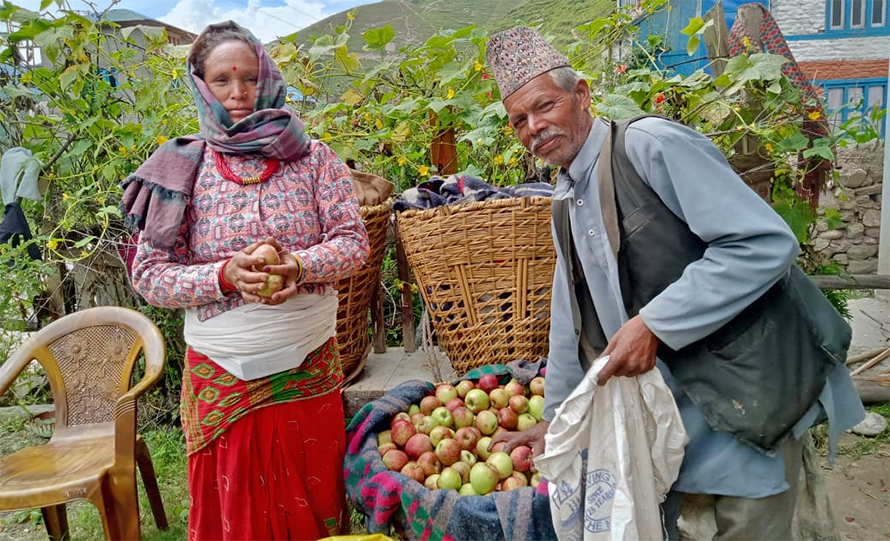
<point>753,378</point>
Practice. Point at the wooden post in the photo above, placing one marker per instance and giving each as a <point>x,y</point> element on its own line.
<point>443,149</point>
<point>716,39</point>
<point>407,295</point>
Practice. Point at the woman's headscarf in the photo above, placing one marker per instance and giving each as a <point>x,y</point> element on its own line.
<point>155,196</point>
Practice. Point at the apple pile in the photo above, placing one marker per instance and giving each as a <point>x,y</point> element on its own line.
<point>443,442</point>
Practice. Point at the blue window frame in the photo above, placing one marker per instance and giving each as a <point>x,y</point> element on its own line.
<point>855,18</point>
<point>845,98</point>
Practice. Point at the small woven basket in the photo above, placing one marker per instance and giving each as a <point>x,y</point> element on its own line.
<point>485,270</point>
<point>355,294</point>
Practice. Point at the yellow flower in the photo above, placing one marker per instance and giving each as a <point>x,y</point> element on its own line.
<point>746,41</point>
<point>477,66</point>
<point>52,244</point>
<point>123,150</point>
<point>402,160</point>
<point>175,74</point>
<point>379,124</point>
<point>815,115</point>
<point>133,148</point>
<point>511,161</point>
<point>65,197</point>
<point>508,129</point>
<point>326,137</point>
<point>367,117</point>
<point>423,170</point>
<point>769,147</point>
<point>450,94</point>
<point>498,159</point>
<point>161,139</point>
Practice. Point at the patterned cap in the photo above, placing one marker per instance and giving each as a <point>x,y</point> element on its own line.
<point>518,55</point>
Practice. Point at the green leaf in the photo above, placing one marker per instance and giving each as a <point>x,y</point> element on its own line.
<point>696,24</point>
<point>45,4</point>
<point>84,241</point>
<point>110,210</point>
<point>822,151</point>
<point>692,45</point>
<point>79,147</point>
<point>346,60</point>
<point>378,38</point>
<point>793,143</point>
<point>438,105</point>
<point>797,218</point>
<point>616,107</point>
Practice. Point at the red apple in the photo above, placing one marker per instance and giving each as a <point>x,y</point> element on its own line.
<point>476,430</point>
<point>463,417</point>
<point>514,388</point>
<point>413,471</point>
<point>522,458</point>
<point>448,452</point>
<point>400,415</point>
<point>488,382</point>
<point>417,445</point>
<point>507,418</point>
<point>463,387</point>
<point>498,447</point>
<point>463,469</point>
<point>483,478</point>
<point>516,480</point>
<point>386,447</point>
<point>486,422</point>
<point>502,463</point>
<point>402,431</point>
<point>499,397</point>
<point>416,418</point>
<point>476,400</point>
<point>429,463</point>
<point>466,438</point>
<point>536,386</point>
<point>453,404</point>
<point>519,403</point>
<point>429,403</point>
<point>449,479</point>
<point>446,392</point>
<point>500,430</point>
<point>395,460</point>
<point>440,433</point>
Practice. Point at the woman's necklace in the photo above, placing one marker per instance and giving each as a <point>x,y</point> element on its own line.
<point>227,173</point>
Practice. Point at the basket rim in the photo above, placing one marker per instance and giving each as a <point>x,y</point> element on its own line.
<point>469,206</point>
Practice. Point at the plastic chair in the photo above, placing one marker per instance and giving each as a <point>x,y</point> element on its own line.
<point>88,357</point>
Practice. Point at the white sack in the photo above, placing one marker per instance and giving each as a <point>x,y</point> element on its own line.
<point>612,454</point>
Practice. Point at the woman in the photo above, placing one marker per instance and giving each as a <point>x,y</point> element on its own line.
<point>261,405</point>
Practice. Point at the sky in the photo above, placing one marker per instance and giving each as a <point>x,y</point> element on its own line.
<point>267,19</point>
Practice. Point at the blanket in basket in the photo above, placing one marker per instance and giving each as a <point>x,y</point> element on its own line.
<point>463,189</point>
<point>419,513</point>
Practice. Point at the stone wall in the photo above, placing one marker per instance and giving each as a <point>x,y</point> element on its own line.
<point>857,197</point>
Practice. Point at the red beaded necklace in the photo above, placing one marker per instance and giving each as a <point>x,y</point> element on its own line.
<point>227,173</point>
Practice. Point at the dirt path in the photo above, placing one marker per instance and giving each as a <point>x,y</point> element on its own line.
<point>859,488</point>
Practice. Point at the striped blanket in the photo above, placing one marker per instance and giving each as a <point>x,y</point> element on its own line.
<point>416,513</point>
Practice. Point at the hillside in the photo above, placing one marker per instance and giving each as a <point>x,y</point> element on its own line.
<point>416,20</point>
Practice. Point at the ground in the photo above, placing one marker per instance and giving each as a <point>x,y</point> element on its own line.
<point>858,487</point>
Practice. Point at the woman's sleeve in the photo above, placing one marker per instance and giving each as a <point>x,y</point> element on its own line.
<point>162,275</point>
<point>344,246</point>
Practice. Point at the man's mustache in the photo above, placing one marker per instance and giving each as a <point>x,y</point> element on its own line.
<point>543,136</point>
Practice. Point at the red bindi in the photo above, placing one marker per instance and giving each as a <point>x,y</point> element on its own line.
<point>234,68</point>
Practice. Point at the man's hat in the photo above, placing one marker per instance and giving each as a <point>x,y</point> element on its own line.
<point>518,55</point>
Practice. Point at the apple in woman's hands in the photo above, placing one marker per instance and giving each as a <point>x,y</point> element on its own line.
<point>274,282</point>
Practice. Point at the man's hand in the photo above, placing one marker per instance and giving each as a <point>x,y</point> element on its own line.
<point>532,437</point>
<point>631,351</point>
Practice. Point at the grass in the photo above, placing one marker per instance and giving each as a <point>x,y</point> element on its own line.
<point>861,446</point>
<point>167,447</point>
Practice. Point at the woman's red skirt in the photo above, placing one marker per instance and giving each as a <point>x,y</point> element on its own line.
<point>276,473</point>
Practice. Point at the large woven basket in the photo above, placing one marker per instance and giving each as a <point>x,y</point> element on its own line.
<point>485,271</point>
<point>355,294</point>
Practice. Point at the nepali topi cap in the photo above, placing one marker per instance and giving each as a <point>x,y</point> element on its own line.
<point>518,55</point>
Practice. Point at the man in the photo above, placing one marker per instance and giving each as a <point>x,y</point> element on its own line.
<point>599,303</point>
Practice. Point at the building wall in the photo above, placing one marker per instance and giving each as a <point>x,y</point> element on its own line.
<point>799,17</point>
<point>866,48</point>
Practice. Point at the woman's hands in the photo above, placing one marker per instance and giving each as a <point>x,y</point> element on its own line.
<point>240,273</point>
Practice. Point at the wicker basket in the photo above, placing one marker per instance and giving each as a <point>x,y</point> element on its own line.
<point>485,270</point>
<point>356,291</point>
